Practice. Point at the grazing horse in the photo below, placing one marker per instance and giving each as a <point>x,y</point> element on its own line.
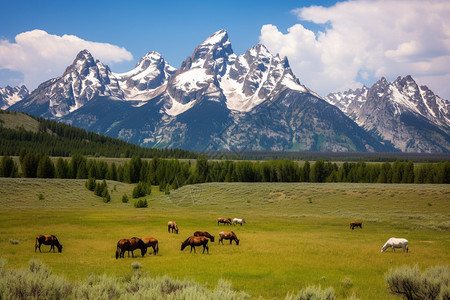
<point>172,225</point>
<point>204,233</point>
<point>355,224</point>
<point>238,221</point>
<point>47,240</point>
<point>130,245</point>
<point>194,241</point>
<point>151,242</point>
<point>224,221</point>
<point>395,243</point>
<point>228,235</point>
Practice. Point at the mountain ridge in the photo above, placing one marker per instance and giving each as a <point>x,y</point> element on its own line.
<point>215,98</point>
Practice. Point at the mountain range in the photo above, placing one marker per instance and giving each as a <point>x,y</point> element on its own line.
<point>218,100</point>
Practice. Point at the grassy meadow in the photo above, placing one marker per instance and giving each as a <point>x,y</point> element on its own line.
<point>297,234</point>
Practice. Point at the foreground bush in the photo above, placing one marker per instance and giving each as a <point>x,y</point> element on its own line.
<point>38,282</point>
<point>410,283</point>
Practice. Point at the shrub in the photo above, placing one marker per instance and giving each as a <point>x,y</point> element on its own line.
<point>35,282</point>
<point>41,196</point>
<point>313,293</point>
<point>136,265</point>
<point>410,283</point>
<point>141,203</point>
<point>13,242</point>
<point>124,198</point>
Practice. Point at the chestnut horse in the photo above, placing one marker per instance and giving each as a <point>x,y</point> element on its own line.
<point>172,225</point>
<point>228,235</point>
<point>130,245</point>
<point>204,233</point>
<point>151,242</point>
<point>194,241</point>
<point>47,240</point>
<point>355,224</point>
<point>224,221</point>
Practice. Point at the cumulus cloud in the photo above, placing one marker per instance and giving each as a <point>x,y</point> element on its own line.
<point>364,40</point>
<point>41,56</point>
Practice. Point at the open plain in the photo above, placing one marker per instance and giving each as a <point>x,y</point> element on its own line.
<point>296,235</point>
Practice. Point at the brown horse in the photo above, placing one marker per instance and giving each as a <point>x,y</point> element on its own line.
<point>194,241</point>
<point>47,240</point>
<point>228,235</point>
<point>224,221</point>
<point>355,224</point>
<point>130,245</point>
<point>204,233</point>
<point>172,225</point>
<point>151,242</point>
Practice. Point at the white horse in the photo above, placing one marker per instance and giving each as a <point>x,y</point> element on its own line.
<point>395,243</point>
<point>240,221</point>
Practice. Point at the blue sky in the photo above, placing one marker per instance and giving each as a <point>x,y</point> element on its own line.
<point>326,50</point>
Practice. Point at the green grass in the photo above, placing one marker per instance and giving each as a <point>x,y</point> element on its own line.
<point>296,234</point>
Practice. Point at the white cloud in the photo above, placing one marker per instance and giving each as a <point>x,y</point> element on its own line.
<point>365,40</point>
<point>41,56</point>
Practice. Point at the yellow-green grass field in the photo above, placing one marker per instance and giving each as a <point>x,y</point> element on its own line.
<point>296,235</point>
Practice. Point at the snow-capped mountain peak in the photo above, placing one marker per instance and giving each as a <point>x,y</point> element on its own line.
<point>11,95</point>
<point>410,116</point>
<point>214,53</point>
<point>148,79</point>
<point>254,76</point>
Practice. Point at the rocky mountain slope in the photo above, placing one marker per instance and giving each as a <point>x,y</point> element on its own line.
<point>410,116</point>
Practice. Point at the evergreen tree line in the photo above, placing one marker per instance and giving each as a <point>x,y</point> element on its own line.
<point>171,173</point>
<point>58,139</point>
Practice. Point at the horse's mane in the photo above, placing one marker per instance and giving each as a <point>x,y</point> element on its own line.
<point>186,240</point>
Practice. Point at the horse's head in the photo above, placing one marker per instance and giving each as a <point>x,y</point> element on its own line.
<point>176,229</point>
<point>211,237</point>
<point>59,248</point>
<point>237,242</point>
<point>143,251</point>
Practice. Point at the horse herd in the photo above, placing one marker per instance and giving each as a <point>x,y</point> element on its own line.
<point>199,238</point>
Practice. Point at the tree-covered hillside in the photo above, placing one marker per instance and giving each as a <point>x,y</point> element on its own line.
<point>19,131</point>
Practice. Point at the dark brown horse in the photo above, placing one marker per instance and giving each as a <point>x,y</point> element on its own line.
<point>151,242</point>
<point>224,221</point>
<point>355,224</point>
<point>194,241</point>
<point>172,225</point>
<point>204,233</point>
<point>228,235</point>
<point>47,240</point>
<point>130,245</point>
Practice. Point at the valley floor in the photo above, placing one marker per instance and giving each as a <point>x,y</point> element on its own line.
<point>296,234</point>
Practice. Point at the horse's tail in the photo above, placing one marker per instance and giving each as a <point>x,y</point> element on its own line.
<point>36,244</point>
<point>117,251</point>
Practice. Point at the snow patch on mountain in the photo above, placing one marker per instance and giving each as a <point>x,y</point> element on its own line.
<point>11,95</point>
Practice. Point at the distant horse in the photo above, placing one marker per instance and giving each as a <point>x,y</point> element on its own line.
<point>47,240</point>
<point>228,235</point>
<point>355,224</point>
<point>395,243</point>
<point>224,221</point>
<point>172,225</point>
<point>238,221</point>
<point>151,242</point>
<point>130,245</point>
<point>194,241</point>
<point>204,233</point>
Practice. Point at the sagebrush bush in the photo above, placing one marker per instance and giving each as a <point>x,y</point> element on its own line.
<point>141,203</point>
<point>408,282</point>
<point>313,293</point>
